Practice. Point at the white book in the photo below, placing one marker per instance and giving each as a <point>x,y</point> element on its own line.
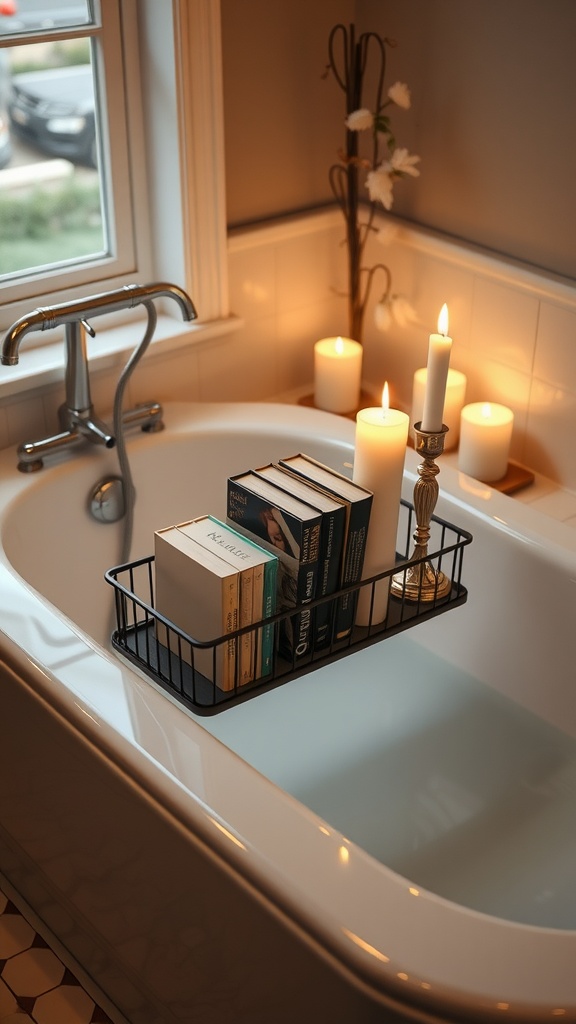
<point>199,592</point>
<point>251,560</point>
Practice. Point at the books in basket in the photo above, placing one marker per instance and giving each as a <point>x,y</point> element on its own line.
<point>332,530</point>
<point>358,502</point>
<point>290,529</point>
<point>258,574</point>
<point>199,592</point>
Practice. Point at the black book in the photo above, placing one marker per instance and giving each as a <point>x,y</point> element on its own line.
<point>332,530</point>
<point>290,529</point>
<point>358,501</point>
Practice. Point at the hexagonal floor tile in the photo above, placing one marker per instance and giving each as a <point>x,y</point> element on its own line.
<point>35,986</point>
<point>68,1003</point>
<point>33,972</point>
<point>15,935</point>
<point>8,1004</point>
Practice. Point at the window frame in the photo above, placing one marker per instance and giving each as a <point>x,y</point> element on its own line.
<point>171,72</point>
<point>189,231</point>
<point>119,162</point>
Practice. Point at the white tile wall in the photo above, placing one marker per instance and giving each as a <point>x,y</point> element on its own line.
<point>503,326</point>
<point>284,285</point>
<point>555,354</point>
<point>514,336</point>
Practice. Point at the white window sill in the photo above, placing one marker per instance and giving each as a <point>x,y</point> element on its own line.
<point>112,346</point>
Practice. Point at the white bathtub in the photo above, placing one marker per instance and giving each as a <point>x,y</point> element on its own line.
<point>392,838</point>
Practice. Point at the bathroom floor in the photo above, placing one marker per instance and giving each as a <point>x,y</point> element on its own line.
<point>36,986</point>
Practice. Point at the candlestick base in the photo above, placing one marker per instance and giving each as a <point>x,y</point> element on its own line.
<point>421,581</point>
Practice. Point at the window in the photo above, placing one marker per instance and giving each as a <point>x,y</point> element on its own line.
<point>67,188</point>
<point>158,82</point>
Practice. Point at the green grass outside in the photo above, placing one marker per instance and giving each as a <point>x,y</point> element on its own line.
<point>46,226</point>
<point>68,244</point>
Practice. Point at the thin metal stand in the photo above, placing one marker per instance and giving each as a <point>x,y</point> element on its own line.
<point>421,581</point>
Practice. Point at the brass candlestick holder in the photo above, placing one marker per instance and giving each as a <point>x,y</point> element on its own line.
<point>422,582</point>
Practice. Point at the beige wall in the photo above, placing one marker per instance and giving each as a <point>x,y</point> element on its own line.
<point>283,122</point>
<point>493,84</point>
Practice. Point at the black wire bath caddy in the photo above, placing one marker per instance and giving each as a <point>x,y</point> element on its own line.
<point>171,664</point>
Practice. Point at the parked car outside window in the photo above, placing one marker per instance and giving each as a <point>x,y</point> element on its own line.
<point>53,110</point>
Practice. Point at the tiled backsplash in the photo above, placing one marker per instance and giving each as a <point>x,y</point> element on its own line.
<point>514,333</point>
<point>514,330</point>
<point>514,337</point>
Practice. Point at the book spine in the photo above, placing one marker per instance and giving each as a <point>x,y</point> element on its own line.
<point>352,567</point>
<point>246,640</point>
<point>257,615</point>
<point>263,598</point>
<point>203,532</point>
<point>227,656</point>
<point>330,550</point>
<point>330,543</point>
<point>297,574</point>
<point>266,646</point>
<point>356,532</point>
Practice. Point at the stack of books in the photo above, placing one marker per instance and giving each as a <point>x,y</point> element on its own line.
<point>317,521</point>
<point>295,531</point>
<point>211,581</point>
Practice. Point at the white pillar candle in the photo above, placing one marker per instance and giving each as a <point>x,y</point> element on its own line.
<point>453,403</point>
<point>380,450</point>
<point>337,374</point>
<point>485,435</point>
<point>439,349</point>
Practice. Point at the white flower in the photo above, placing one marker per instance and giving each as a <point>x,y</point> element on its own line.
<point>359,120</point>
<point>379,185</point>
<point>402,312</point>
<point>387,233</point>
<point>394,309</point>
<point>399,93</point>
<point>403,163</point>
<point>382,317</point>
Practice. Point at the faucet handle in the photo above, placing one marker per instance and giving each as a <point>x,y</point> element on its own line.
<point>88,327</point>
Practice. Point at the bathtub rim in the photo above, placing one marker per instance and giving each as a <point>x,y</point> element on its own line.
<point>270,870</point>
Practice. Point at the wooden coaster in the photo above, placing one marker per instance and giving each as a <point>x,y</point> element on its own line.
<point>366,401</point>
<point>517,477</point>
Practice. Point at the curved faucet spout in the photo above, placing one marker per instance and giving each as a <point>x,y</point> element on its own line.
<point>147,292</point>
<point>47,317</point>
<point>11,344</point>
<point>77,416</point>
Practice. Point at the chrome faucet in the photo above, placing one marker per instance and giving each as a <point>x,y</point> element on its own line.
<point>77,419</point>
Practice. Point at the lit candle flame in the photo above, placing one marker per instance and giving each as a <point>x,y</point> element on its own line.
<point>339,346</point>
<point>486,411</point>
<point>443,321</point>
<point>385,399</point>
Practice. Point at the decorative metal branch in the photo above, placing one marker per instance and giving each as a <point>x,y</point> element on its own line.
<point>348,61</point>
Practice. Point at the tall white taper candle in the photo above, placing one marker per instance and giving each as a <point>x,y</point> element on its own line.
<point>439,349</point>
